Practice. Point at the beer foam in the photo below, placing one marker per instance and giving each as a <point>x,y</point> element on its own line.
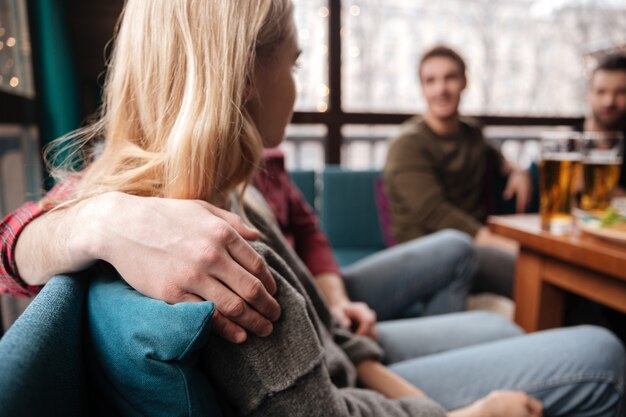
<point>602,158</point>
<point>561,156</point>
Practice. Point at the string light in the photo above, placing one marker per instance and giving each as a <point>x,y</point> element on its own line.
<point>355,10</point>
<point>322,106</point>
<point>11,42</point>
<point>14,82</point>
<point>304,34</point>
<point>323,12</point>
<point>323,90</point>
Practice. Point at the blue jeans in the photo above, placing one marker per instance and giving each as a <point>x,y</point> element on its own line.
<point>426,276</point>
<point>458,358</point>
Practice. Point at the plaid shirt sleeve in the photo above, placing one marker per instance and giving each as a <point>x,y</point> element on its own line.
<point>10,281</point>
<point>10,228</point>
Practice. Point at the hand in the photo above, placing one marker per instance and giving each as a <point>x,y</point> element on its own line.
<point>502,404</point>
<point>182,250</point>
<point>486,238</point>
<point>351,314</point>
<point>518,184</point>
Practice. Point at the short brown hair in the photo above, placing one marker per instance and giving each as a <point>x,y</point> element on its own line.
<point>613,62</point>
<point>441,51</point>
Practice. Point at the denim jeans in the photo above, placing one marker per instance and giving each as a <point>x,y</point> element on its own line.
<point>496,271</point>
<point>426,276</point>
<point>458,358</point>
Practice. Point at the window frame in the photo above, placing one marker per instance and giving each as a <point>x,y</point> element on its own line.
<point>334,118</point>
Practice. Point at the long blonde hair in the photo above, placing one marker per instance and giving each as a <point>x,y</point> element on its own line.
<point>173,117</point>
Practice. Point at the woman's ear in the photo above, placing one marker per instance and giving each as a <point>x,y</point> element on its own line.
<point>249,91</point>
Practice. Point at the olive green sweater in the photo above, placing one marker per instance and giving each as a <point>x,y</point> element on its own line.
<point>437,182</point>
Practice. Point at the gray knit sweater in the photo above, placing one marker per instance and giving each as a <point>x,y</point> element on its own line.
<point>306,367</point>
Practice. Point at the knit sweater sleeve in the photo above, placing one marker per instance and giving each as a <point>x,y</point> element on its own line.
<point>417,194</point>
<point>286,372</point>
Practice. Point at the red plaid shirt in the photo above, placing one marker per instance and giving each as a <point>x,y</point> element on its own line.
<point>297,221</point>
<point>10,228</point>
<point>12,225</point>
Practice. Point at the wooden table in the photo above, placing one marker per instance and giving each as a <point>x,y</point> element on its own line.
<point>550,265</point>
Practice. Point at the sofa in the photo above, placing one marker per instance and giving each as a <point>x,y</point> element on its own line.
<point>351,207</point>
<point>42,367</point>
<point>47,353</point>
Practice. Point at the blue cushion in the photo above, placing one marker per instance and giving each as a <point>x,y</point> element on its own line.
<point>305,181</point>
<point>349,212</point>
<point>41,355</point>
<point>143,353</point>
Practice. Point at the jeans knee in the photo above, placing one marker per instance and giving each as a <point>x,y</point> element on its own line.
<point>458,243</point>
<point>457,236</point>
<point>495,323</point>
<point>604,351</point>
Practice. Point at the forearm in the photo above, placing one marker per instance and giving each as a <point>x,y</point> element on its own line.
<point>463,412</point>
<point>56,242</point>
<point>377,377</point>
<point>332,287</point>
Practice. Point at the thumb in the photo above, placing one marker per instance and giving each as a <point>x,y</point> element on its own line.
<point>342,317</point>
<point>509,190</point>
<point>521,203</point>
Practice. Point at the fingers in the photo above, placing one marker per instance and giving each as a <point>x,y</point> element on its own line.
<point>522,201</point>
<point>367,325</point>
<point>508,192</point>
<point>220,324</point>
<point>227,329</point>
<point>243,254</point>
<point>341,317</point>
<point>189,298</point>
<point>364,316</point>
<point>234,220</point>
<point>535,406</point>
<point>233,307</point>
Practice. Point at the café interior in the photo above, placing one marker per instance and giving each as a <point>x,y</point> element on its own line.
<point>546,232</point>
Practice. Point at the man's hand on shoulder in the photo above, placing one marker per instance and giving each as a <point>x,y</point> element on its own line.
<point>168,249</point>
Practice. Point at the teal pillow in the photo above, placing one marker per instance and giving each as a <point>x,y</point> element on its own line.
<point>143,353</point>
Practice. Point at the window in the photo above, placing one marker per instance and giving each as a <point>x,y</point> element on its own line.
<point>16,74</point>
<point>527,61</point>
<point>311,18</point>
<point>20,167</point>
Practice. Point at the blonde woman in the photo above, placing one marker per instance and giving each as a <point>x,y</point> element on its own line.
<point>195,89</point>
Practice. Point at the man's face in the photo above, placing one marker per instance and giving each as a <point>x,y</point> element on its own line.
<point>607,99</point>
<point>442,84</point>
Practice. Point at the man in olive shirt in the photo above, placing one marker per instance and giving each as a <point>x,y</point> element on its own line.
<point>435,172</point>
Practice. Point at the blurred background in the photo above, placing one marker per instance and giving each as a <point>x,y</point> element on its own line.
<point>528,63</point>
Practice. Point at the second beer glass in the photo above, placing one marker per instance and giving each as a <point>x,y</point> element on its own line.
<point>602,162</point>
<point>559,166</point>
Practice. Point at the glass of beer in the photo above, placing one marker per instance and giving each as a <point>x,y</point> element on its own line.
<point>602,154</point>
<point>559,167</point>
